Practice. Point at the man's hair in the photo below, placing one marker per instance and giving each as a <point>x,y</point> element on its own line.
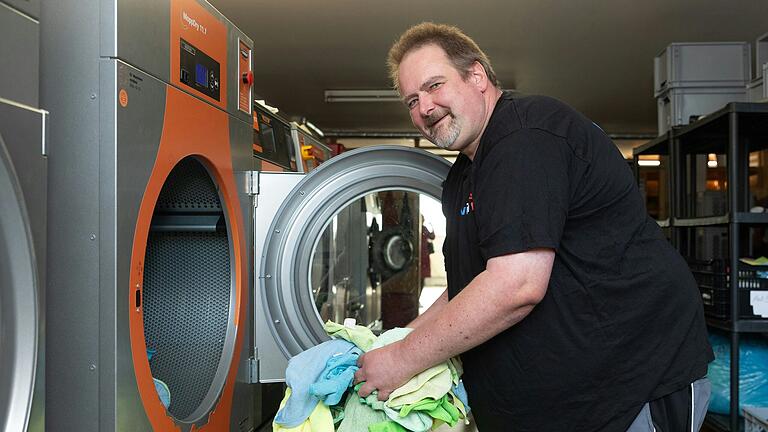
<point>461,50</point>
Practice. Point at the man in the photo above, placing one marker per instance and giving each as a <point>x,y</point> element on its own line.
<point>570,309</point>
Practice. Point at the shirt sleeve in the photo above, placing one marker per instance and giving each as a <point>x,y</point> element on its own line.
<point>521,193</point>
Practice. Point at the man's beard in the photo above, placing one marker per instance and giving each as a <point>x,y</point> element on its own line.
<point>447,135</point>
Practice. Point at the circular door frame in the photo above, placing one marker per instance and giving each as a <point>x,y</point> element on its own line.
<point>226,197</point>
<point>304,215</point>
<point>191,128</point>
<point>19,286</point>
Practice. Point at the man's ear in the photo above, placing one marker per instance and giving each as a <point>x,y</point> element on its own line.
<point>478,77</point>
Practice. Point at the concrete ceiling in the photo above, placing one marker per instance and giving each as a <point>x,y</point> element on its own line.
<point>594,55</point>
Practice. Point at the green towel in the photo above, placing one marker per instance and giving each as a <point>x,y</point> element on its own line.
<point>359,335</point>
<point>440,409</point>
<point>358,416</point>
<point>415,421</point>
<point>387,426</point>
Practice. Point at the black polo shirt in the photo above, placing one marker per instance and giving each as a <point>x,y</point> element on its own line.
<point>621,322</point>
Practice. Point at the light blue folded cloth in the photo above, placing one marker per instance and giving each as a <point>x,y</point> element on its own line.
<point>336,378</point>
<point>160,387</point>
<point>163,391</point>
<point>303,370</point>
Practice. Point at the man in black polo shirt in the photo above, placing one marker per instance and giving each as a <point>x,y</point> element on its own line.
<point>570,309</point>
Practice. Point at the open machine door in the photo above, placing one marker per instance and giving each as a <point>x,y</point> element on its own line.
<point>346,240</point>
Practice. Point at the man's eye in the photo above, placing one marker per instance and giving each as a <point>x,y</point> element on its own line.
<point>435,85</point>
<point>412,103</point>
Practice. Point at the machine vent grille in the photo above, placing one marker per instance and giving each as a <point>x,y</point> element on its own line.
<point>192,189</point>
<point>186,300</point>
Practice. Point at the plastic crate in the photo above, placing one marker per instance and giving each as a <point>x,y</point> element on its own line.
<point>702,64</point>
<point>713,278</point>
<point>676,106</point>
<point>755,419</point>
<point>761,55</point>
<point>756,92</point>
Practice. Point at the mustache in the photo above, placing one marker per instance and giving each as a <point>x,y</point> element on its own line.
<point>435,116</point>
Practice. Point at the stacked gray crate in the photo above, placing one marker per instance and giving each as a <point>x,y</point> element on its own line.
<point>756,91</point>
<point>696,79</point>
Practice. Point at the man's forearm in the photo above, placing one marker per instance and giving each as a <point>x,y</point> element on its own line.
<point>489,305</point>
<point>431,311</point>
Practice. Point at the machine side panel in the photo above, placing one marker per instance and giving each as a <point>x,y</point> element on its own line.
<point>19,51</point>
<point>240,135</point>
<point>72,391</point>
<point>139,126</point>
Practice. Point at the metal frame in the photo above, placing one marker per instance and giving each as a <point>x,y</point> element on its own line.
<point>737,149</point>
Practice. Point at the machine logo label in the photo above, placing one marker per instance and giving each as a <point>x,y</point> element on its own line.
<point>123,98</point>
<point>193,23</point>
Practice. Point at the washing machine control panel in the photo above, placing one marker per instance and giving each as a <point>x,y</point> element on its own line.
<point>199,71</point>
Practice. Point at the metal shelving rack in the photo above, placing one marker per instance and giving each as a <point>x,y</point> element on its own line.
<point>738,128</point>
<point>660,146</point>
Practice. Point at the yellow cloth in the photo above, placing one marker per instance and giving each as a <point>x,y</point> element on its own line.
<point>359,335</point>
<point>433,383</point>
<point>320,420</point>
<point>755,261</point>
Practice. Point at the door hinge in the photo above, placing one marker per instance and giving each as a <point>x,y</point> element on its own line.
<point>253,368</point>
<point>252,183</point>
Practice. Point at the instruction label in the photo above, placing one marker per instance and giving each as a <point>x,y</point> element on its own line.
<point>759,302</point>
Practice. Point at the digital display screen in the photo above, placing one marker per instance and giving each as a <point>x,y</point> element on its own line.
<point>201,75</point>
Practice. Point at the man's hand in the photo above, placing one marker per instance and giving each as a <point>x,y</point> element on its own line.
<point>383,369</point>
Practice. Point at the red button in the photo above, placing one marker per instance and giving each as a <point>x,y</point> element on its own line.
<point>248,78</point>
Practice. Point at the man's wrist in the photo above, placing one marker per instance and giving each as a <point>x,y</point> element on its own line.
<point>408,356</point>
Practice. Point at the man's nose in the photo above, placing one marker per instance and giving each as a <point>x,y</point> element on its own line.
<point>426,106</point>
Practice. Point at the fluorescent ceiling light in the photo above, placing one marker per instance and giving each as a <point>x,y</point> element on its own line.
<point>314,128</point>
<point>644,162</point>
<point>263,103</point>
<point>361,96</point>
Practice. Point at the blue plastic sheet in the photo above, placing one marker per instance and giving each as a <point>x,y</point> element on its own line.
<point>753,372</point>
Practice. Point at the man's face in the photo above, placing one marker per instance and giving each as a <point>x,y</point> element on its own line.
<point>447,110</point>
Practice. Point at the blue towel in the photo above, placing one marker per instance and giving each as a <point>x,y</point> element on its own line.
<point>304,370</point>
<point>461,393</point>
<point>336,378</point>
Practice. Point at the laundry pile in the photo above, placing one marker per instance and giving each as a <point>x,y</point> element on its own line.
<point>320,396</point>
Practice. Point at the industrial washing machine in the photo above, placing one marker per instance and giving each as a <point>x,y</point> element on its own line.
<point>149,216</point>
<point>313,152</point>
<point>274,148</point>
<point>23,193</point>
<point>341,241</point>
